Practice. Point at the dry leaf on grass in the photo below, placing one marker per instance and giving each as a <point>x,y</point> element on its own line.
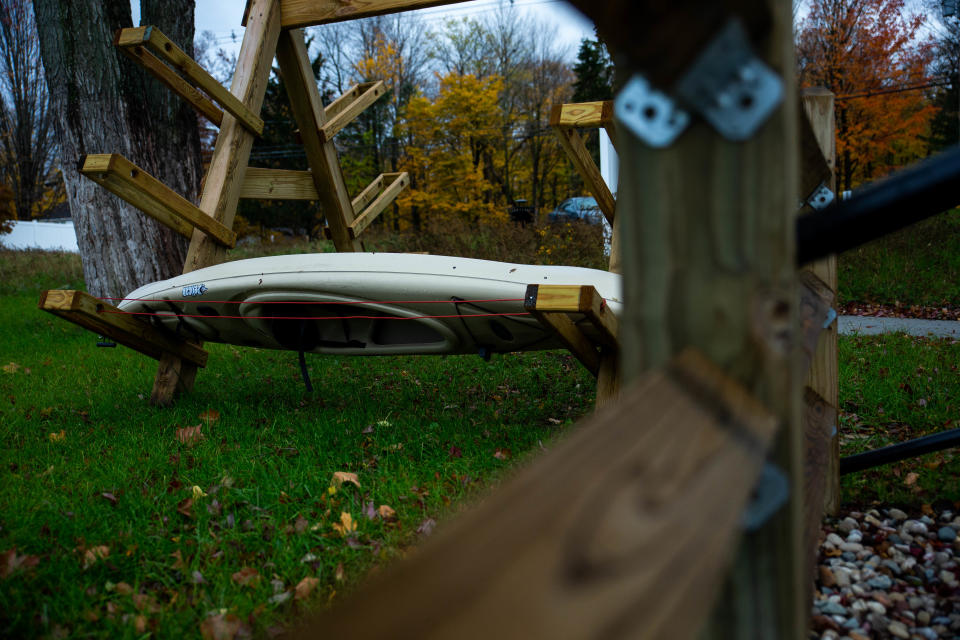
<point>911,479</point>
<point>11,562</point>
<point>210,416</point>
<point>109,497</point>
<point>57,436</point>
<point>342,477</point>
<point>339,574</point>
<point>346,525</point>
<point>13,367</point>
<point>92,555</point>
<point>224,626</point>
<point>246,576</point>
<point>502,454</point>
<point>185,507</point>
<point>426,527</point>
<point>387,513</point>
<point>305,587</point>
<point>189,435</point>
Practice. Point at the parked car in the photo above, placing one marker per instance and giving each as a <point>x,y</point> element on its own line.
<point>579,209</point>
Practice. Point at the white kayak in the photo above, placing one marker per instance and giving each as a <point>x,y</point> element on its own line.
<point>363,303</point>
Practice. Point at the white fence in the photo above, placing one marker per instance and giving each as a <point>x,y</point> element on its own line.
<point>33,234</point>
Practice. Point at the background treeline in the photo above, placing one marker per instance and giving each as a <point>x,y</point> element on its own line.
<point>468,102</point>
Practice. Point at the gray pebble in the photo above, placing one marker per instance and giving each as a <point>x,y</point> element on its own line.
<point>927,520</point>
<point>894,539</point>
<point>849,556</point>
<point>898,629</point>
<point>914,527</point>
<point>847,525</point>
<point>880,582</point>
<point>947,534</point>
<point>897,514</point>
<point>855,536</point>
<point>833,609</point>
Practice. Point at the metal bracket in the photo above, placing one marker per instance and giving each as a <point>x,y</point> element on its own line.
<point>102,341</point>
<point>821,197</point>
<point>729,86</point>
<point>771,493</point>
<point>650,114</point>
<point>831,316</point>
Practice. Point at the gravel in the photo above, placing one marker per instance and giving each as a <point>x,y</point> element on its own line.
<point>886,573</point>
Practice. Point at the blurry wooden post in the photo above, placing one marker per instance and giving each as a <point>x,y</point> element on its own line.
<point>823,377</point>
<point>707,230</point>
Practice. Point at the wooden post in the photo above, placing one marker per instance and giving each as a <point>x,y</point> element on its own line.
<point>224,178</point>
<point>310,116</point>
<point>823,378</point>
<point>707,230</point>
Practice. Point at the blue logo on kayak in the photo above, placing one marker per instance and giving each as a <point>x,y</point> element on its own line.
<point>194,290</point>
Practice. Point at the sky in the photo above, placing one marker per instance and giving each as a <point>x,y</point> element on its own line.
<point>222,17</point>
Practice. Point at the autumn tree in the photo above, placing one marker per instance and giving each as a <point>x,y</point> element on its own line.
<point>871,54</point>
<point>28,172</point>
<point>104,103</point>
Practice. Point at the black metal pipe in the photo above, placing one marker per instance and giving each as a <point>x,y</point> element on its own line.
<point>900,451</point>
<point>925,189</point>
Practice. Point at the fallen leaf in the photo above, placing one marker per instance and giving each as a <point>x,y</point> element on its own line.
<point>189,435</point>
<point>554,421</point>
<point>279,598</point>
<point>346,525</point>
<point>109,497</point>
<point>197,578</point>
<point>122,588</point>
<point>455,451</point>
<point>305,587</point>
<point>910,479</point>
<point>145,602</point>
<point>369,512</point>
<point>13,367</point>
<point>178,560</point>
<point>342,477</point>
<point>246,576</point>
<point>223,626</point>
<point>210,416</point>
<point>339,574</point>
<point>426,527</point>
<point>140,624</point>
<point>300,524</point>
<point>502,454</point>
<point>308,558</point>
<point>58,436</point>
<point>185,507</point>
<point>197,492</point>
<point>11,562</point>
<point>387,513</point>
<point>94,554</point>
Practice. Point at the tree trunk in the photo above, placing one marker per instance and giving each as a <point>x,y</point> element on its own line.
<point>103,103</point>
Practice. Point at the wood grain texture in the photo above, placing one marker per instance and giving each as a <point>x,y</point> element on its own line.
<point>393,185</point>
<point>321,156</point>
<point>369,93</point>
<point>707,227</point>
<point>165,49</point>
<point>174,82</point>
<point>572,337</point>
<point>278,184</point>
<point>583,162</point>
<point>819,420</point>
<point>305,13</point>
<point>128,181</point>
<point>583,115</point>
<point>369,193</point>
<point>105,319</point>
<point>623,530</point>
<point>824,376</point>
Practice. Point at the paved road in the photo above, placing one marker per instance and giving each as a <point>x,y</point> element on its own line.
<point>869,326</point>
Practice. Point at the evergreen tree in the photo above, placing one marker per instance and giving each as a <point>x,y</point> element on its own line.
<point>594,71</point>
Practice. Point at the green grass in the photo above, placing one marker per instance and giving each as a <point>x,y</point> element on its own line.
<point>87,464</point>
<point>894,388</point>
<point>919,265</point>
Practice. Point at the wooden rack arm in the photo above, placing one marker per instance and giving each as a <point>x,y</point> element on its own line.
<point>128,181</point>
<point>102,318</point>
<point>573,145</point>
<point>368,195</point>
<point>174,82</point>
<point>583,115</point>
<point>278,184</point>
<point>394,184</point>
<point>163,48</point>
<point>345,113</point>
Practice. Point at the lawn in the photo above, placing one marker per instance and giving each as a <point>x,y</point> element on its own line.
<point>248,501</point>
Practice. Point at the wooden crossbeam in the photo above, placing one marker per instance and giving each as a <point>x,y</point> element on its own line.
<point>278,184</point>
<point>164,49</point>
<point>105,319</point>
<point>347,107</point>
<point>306,13</point>
<point>123,178</point>
<point>392,185</point>
<point>321,155</point>
<point>565,119</point>
<point>574,546</point>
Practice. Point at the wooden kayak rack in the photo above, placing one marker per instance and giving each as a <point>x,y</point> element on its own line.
<point>209,224</point>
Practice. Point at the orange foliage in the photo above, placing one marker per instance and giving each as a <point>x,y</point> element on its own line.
<point>866,52</point>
